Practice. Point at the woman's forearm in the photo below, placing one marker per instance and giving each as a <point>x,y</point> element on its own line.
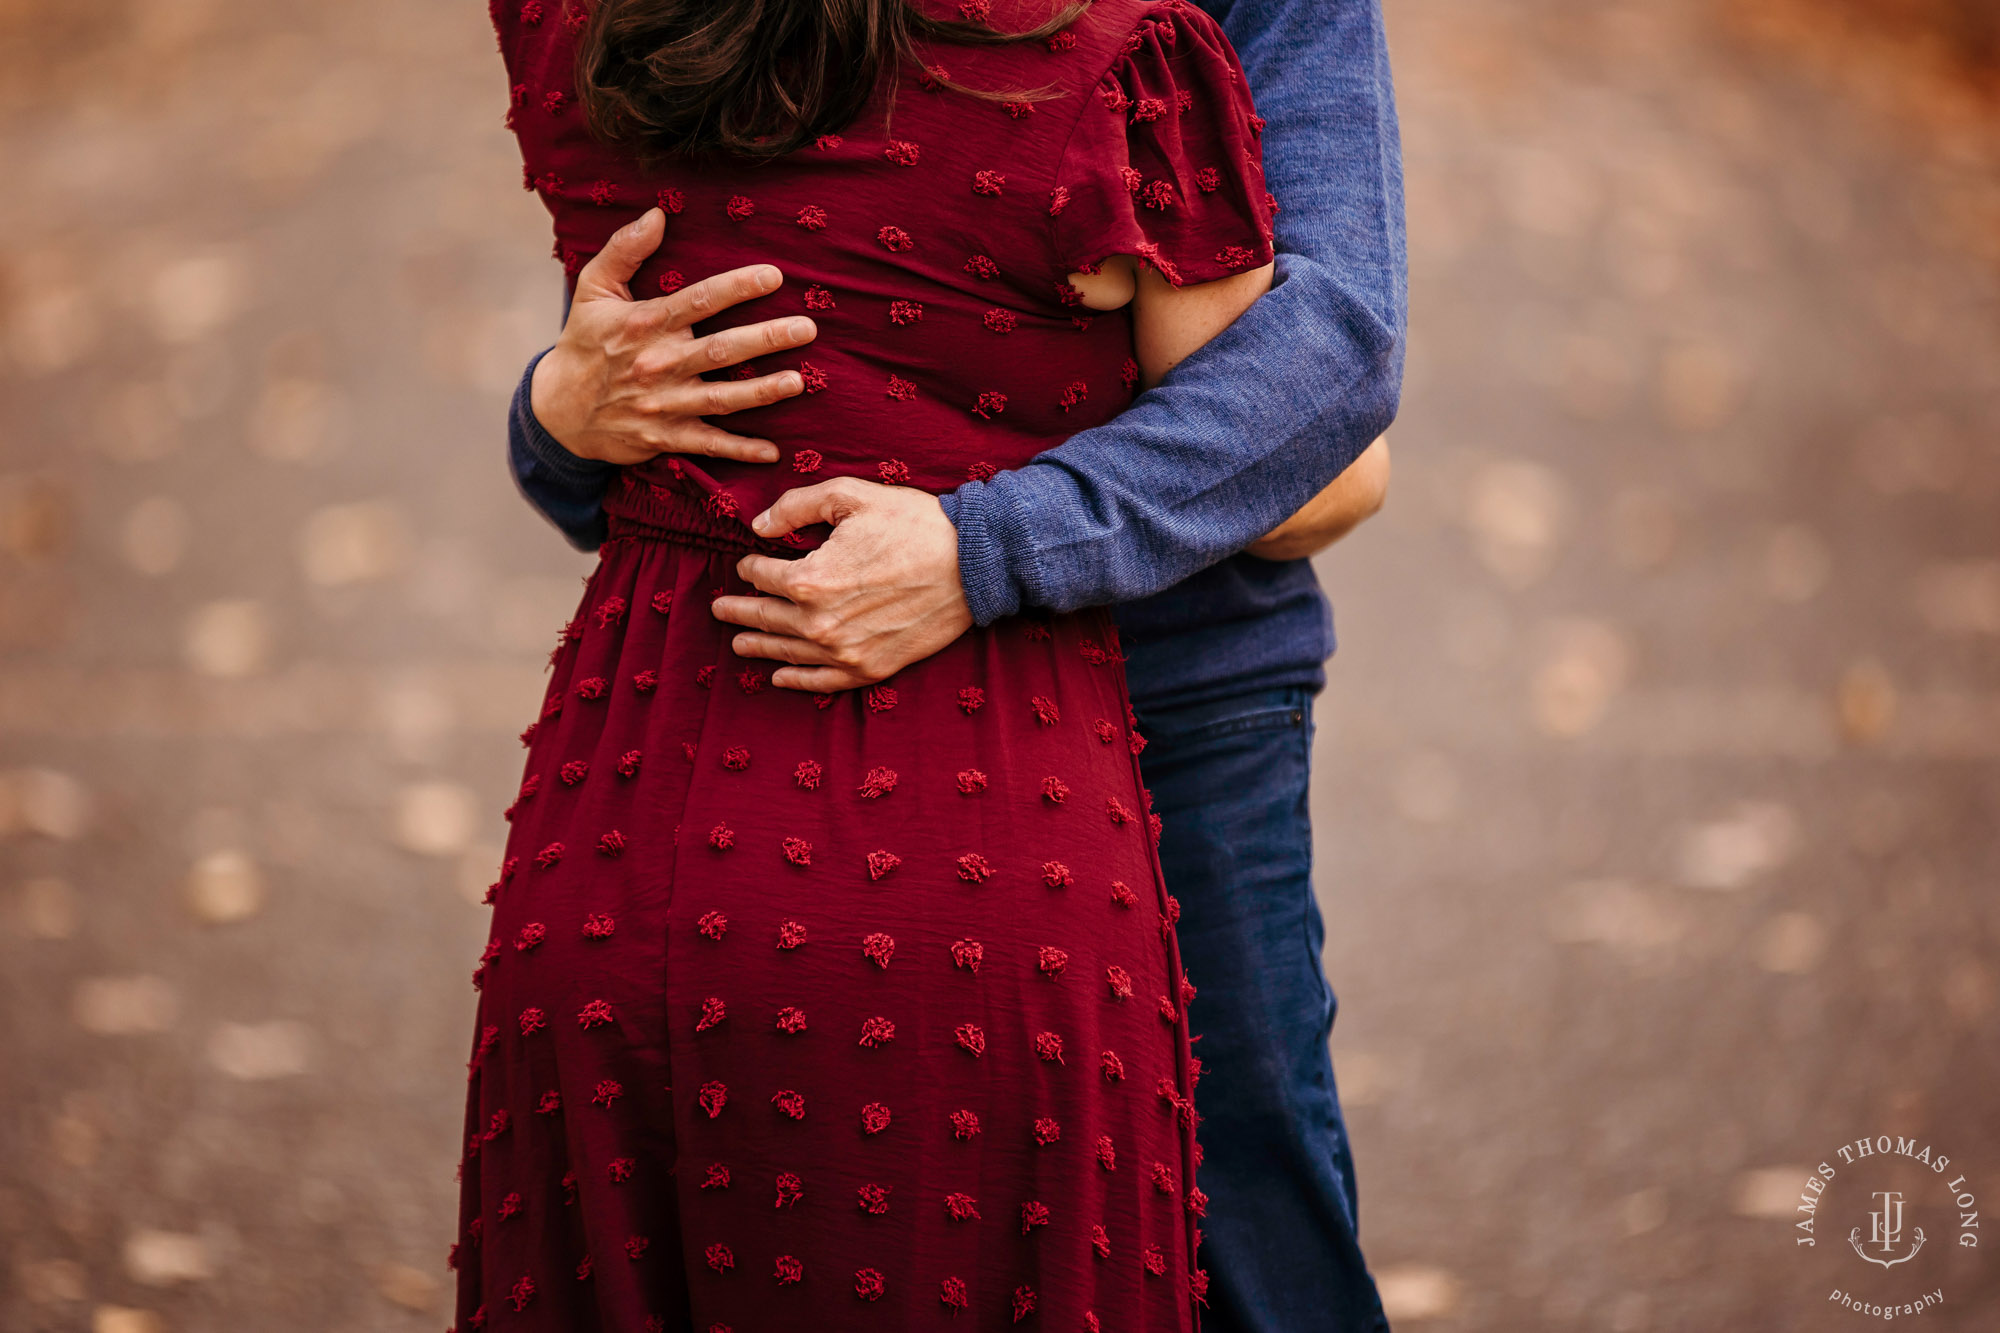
<point>1354,496</point>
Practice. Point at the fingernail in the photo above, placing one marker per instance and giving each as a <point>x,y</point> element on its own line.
<point>793,383</point>
<point>769,279</point>
<point>763,520</point>
<point>800,330</point>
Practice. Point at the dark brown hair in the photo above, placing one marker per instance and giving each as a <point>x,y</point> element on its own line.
<point>757,78</point>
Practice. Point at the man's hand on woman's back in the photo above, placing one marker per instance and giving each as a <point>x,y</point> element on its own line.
<point>624,381</point>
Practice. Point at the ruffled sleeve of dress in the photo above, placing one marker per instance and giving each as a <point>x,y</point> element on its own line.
<point>1164,163</point>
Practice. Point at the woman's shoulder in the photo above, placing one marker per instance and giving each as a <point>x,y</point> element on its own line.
<point>1103,57</point>
<point>1125,15</point>
<point>1101,33</point>
<point>1096,18</point>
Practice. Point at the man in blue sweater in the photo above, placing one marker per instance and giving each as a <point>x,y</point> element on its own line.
<point>1152,512</point>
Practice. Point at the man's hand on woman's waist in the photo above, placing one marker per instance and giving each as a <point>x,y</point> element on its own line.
<point>881,592</point>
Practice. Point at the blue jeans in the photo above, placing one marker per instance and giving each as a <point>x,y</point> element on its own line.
<point>1229,779</point>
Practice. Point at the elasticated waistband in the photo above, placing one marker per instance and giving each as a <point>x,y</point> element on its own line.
<point>681,512</point>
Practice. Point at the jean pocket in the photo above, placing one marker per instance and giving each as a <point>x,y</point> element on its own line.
<point>1281,718</point>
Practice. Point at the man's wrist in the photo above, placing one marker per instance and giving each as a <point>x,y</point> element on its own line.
<point>545,448</point>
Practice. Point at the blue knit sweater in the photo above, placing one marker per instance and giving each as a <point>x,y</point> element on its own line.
<point>1150,510</point>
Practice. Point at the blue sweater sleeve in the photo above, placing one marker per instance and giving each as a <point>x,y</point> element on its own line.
<point>1244,432</point>
<point>567,490</point>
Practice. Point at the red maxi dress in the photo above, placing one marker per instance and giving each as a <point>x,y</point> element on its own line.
<point>861,1010</point>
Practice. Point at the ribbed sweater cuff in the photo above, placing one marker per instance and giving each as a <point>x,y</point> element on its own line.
<point>564,467</point>
<point>977,512</point>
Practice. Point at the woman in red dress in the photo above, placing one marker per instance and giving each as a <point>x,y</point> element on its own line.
<point>859,1009</point>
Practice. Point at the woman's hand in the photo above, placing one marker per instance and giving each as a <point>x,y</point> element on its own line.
<point>1353,496</point>
<point>624,381</point>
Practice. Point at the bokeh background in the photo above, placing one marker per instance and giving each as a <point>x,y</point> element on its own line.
<point>1658,806</point>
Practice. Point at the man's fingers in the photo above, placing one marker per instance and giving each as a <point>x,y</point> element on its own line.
<point>718,398</point>
<point>782,648</point>
<point>692,304</point>
<point>819,679</point>
<point>733,346</point>
<point>611,268</point>
<point>699,438</point>
<point>769,615</point>
<point>827,502</point>
<point>769,575</point>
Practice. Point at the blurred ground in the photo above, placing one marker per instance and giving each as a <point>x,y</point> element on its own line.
<point>1657,791</point>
